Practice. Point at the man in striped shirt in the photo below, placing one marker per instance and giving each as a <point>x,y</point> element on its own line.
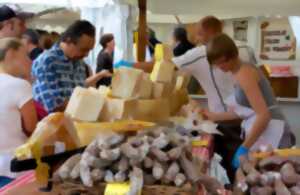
<point>59,70</point>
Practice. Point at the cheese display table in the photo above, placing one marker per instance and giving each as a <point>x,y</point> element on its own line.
<point>142,133</point>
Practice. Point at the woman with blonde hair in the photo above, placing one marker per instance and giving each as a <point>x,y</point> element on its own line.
<point>17,112</point>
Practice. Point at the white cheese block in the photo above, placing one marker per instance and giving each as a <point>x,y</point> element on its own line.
<point>124,82</point>
<point>85,104</point>
<point>163,71</point>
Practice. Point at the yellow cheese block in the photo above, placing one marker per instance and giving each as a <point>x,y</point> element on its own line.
<point>85,104</point>
<point>125,82</point>
<point>163,52</point>
<point>163,71</point>
<point>87,132</point>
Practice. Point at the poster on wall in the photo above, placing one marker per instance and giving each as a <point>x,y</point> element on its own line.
<point>277,40</point>
<point>240,29</point>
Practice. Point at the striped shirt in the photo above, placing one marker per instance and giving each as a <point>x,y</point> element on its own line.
<point>55,77</point>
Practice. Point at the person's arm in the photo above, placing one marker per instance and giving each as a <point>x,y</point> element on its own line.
<point>145,66</point>
<point>29,117</point>
<point>248,80</point>
<point>26,107</point>
<point>92,80</point>
<point>219,117</point>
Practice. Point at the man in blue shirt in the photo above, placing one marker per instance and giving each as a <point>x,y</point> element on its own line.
<point>59,70</point>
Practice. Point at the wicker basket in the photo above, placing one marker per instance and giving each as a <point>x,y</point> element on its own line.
<point>71,188</point>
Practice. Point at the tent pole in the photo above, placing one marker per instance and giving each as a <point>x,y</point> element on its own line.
<point>142,31</point>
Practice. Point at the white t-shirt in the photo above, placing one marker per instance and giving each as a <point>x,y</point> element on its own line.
<point>195,63</point>
<point>221,87</point>
<point>15,93</point>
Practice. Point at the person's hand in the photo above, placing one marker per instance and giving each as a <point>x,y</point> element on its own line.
<point>105,73</point>
<point>241,151</point>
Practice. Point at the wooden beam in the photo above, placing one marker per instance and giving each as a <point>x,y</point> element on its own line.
<point>142,31</point>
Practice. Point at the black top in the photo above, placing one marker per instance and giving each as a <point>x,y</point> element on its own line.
<point>152,43</point>
<point>104,62</point>
<point>182,47</point>
<point>35,53</point>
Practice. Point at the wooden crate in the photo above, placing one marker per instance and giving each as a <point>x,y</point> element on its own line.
<point>70,188</point>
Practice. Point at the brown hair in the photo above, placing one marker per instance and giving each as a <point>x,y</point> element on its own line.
<point>221,46</point>
<point>212,23</point>
<point>7,44</point>
<point>106,38</point>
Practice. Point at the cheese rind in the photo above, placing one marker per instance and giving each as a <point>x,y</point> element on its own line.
<point>85,104</point>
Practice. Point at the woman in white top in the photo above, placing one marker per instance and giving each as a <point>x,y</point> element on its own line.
<point>18,117</point>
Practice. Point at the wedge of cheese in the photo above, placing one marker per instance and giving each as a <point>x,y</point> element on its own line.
<point>125,82</point>
<point>163,52</point>
<point>147,110</point>
<point>162,90</point>
<point>163,71</point>
<point>181,80</point>
<point>87,132</point>
<point>177,100</point>
<point>55,128</point>
<point>153,110</point>
<point>104,90</point>
<point>144,87</point>
<point>85,104</point>
<point>116,109</point>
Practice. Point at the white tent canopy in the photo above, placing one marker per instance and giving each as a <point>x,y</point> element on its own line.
<point>107,15</point>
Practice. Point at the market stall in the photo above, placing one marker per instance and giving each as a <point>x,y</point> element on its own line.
<point>141,130</point>
<point>141,135</point>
